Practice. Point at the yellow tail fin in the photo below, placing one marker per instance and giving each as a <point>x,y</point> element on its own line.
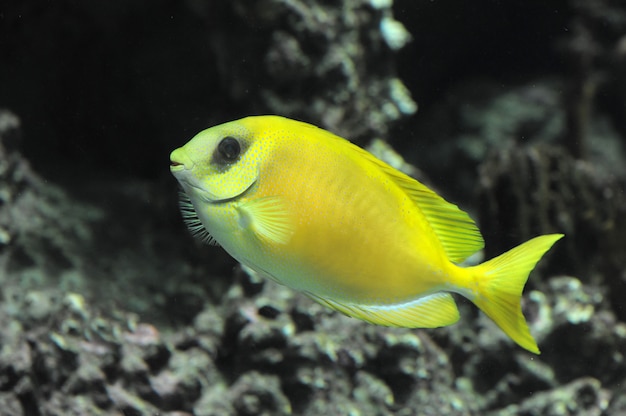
<point>500,284</point>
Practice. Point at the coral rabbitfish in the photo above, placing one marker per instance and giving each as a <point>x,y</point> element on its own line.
<point>316,213</point>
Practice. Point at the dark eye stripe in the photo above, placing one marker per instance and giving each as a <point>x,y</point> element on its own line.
<point>227,152</point>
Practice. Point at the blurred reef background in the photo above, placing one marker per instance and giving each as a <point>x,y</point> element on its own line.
<point>109,307</point>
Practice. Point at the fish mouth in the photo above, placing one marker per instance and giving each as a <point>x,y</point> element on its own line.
<point>179,161</point>
<point>176,166</point>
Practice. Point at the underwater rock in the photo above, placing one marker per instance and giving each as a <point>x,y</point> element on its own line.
<point>328,63</point>
<point>526,191</point>
<point>15,176</point>
<point>89,379</point>
<point>577,336</point>
<point>106,249</point>
<point>42,232</point>
<point>214,402</point>
<point>77,362</point>
<point>10,404</point>
<point>595,50</point>
<point>584,396</point>
<point>182,381</point>
<point>617,406</point>
<point>584,336</point>
<point>457,132</point>
<point>331,364</point>
<point>205,332</point>
<point>259,394</point>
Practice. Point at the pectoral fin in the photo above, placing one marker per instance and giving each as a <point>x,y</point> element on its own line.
<point>269,218</point>
<point>430,311</point>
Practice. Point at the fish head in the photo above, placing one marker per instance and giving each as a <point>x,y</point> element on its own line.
<point>219,164</point>
<point>223,200</point>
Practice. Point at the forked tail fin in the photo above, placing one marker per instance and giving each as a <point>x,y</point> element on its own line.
<point>500,284</point>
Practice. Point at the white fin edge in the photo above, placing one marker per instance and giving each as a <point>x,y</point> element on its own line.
<point>432,311</point>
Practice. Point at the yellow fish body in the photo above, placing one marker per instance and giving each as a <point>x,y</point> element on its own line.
<point>314,212</point>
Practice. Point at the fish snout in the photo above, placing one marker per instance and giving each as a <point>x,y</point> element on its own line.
<point>179,161</point>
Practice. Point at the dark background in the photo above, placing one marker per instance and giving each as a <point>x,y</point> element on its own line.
<point>113,87</point>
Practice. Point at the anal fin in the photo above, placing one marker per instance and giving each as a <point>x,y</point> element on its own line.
<point>432,311</point>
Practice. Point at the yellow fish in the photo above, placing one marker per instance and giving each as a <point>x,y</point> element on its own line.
<point>316,213</point>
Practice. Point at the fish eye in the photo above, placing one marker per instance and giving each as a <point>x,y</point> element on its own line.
<point>229,148</point>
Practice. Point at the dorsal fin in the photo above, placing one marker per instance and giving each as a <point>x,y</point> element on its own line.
<point>456,231</point>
